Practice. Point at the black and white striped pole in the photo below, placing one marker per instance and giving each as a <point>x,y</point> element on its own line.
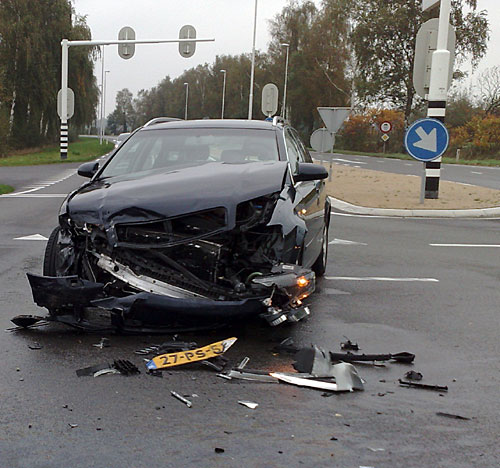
<point>438,93</point>
<point>64,100</point>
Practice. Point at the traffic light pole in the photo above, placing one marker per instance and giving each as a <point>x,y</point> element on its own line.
<point>65,45</point>
<point>438,94</point>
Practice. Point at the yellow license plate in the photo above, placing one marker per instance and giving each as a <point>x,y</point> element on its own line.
<point>185,357</point>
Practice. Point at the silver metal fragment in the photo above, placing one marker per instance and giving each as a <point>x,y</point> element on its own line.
<point>248,404</point>
<point>106,371</point>
<point>181,398</point>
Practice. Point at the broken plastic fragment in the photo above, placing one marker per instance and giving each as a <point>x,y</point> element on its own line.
<point>126,367</point>
<point>257,376</point>
<point>412,375</point>
<point>87,371</point>
<point>346,376</point>
<point>248,404</point>
<point>437,388</point>
<point>243,363</point>
<point>452,416</point>
<point>164,361</point>
<point>25,321</point>
<point>348,345</point>
<point>104,343</point>
<point>35,345</point>
<point>181,398</point>
<point>105,372</point>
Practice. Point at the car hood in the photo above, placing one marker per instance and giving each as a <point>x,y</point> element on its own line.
<point>168,194</point>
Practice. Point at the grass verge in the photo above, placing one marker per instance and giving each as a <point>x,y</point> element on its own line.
<point>82,150</point>
<point>5,189</point>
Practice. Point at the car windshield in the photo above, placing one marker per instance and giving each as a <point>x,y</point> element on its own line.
<point>164,149</point>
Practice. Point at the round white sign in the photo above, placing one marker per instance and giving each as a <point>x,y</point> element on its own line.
<point>385,127</point>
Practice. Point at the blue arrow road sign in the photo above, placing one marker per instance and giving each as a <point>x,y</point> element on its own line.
<point>426,139</point>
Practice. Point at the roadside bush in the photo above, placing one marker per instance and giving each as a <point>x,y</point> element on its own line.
<point>479,138</point>
<point>361,131</point>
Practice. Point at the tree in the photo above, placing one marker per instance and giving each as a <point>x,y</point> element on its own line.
<point>124,111</point>
<point>488,85</point>
<point>318,58</point>
<point>30,60</point>
<point>384,36</point>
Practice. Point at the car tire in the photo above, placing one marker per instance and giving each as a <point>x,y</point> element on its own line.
<point>51,250</point>
<point>319,266</point>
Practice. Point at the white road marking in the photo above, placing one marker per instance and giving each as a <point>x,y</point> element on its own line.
<point>43,184</point>
<point>345,242</point>
<point>33,237</point>
<point>381,278</point>
<point>465,245</point>
<point>348,161</point>
<point>472,172</point>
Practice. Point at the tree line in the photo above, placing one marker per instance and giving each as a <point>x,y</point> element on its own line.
<point>30,71</point>
<point>341,53</point>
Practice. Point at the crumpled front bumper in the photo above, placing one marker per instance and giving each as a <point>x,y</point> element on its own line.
<point>86,305</point>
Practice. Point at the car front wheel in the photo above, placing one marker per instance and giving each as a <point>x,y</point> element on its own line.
<point>51,251</point>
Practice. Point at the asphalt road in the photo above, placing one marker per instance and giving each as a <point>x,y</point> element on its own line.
<point>388,287</point>
<point>475,175</point>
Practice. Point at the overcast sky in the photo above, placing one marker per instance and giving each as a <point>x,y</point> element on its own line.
<point>230,22</point>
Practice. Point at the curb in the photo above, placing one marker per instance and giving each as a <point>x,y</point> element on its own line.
<point>355,209</point>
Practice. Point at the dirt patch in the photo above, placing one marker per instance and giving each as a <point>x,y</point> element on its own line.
<point>376,189</point>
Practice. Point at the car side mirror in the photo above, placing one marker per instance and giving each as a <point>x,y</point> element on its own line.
<point>310,171</point>
<point>88,169</point>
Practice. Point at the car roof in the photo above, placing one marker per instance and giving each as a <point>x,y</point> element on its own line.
<point>214,123</point>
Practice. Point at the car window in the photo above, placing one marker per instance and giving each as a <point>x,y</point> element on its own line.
<point>306,156</point>
<point>152,150</point>
<point>294,154</point>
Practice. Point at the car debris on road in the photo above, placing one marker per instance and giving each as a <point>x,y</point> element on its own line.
<point>164,361</point>
<point>436,388</point>
<point>182,399</point>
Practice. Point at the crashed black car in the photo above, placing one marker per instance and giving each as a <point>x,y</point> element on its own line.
<point>189,225</point>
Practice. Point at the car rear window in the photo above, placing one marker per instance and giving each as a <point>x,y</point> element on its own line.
<point>155,150</point>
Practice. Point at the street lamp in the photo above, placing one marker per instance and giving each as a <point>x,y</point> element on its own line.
<point>250,99</point>
<point>186,106</point>
<point>104,102</point>
<point>223,93</point>
<point>102,94</point>
<point>283,107</point>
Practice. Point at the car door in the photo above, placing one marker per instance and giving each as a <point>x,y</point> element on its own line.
<point>310,199</point>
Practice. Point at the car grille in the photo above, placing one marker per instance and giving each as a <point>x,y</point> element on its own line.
<point>173,230</point>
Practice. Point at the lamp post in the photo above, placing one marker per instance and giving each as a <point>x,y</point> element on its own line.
<point>223,93</point>
<point>104,102</point>
<point>283,107</point>
<point>250,99</point>
<point>186,106</point>
<point>102,95</point>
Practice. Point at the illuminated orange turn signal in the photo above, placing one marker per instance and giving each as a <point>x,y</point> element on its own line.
<point>302,282</point>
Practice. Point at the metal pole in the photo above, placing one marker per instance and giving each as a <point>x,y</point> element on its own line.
<point>283,107</point>
<point>64,97</point>
<point>186,106</point>
<point>250,99</point>
<point>438,93</point>
<point>223,94</point>
<point>422,185</point>
<point>102,93</point>
<point>104,102</point>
